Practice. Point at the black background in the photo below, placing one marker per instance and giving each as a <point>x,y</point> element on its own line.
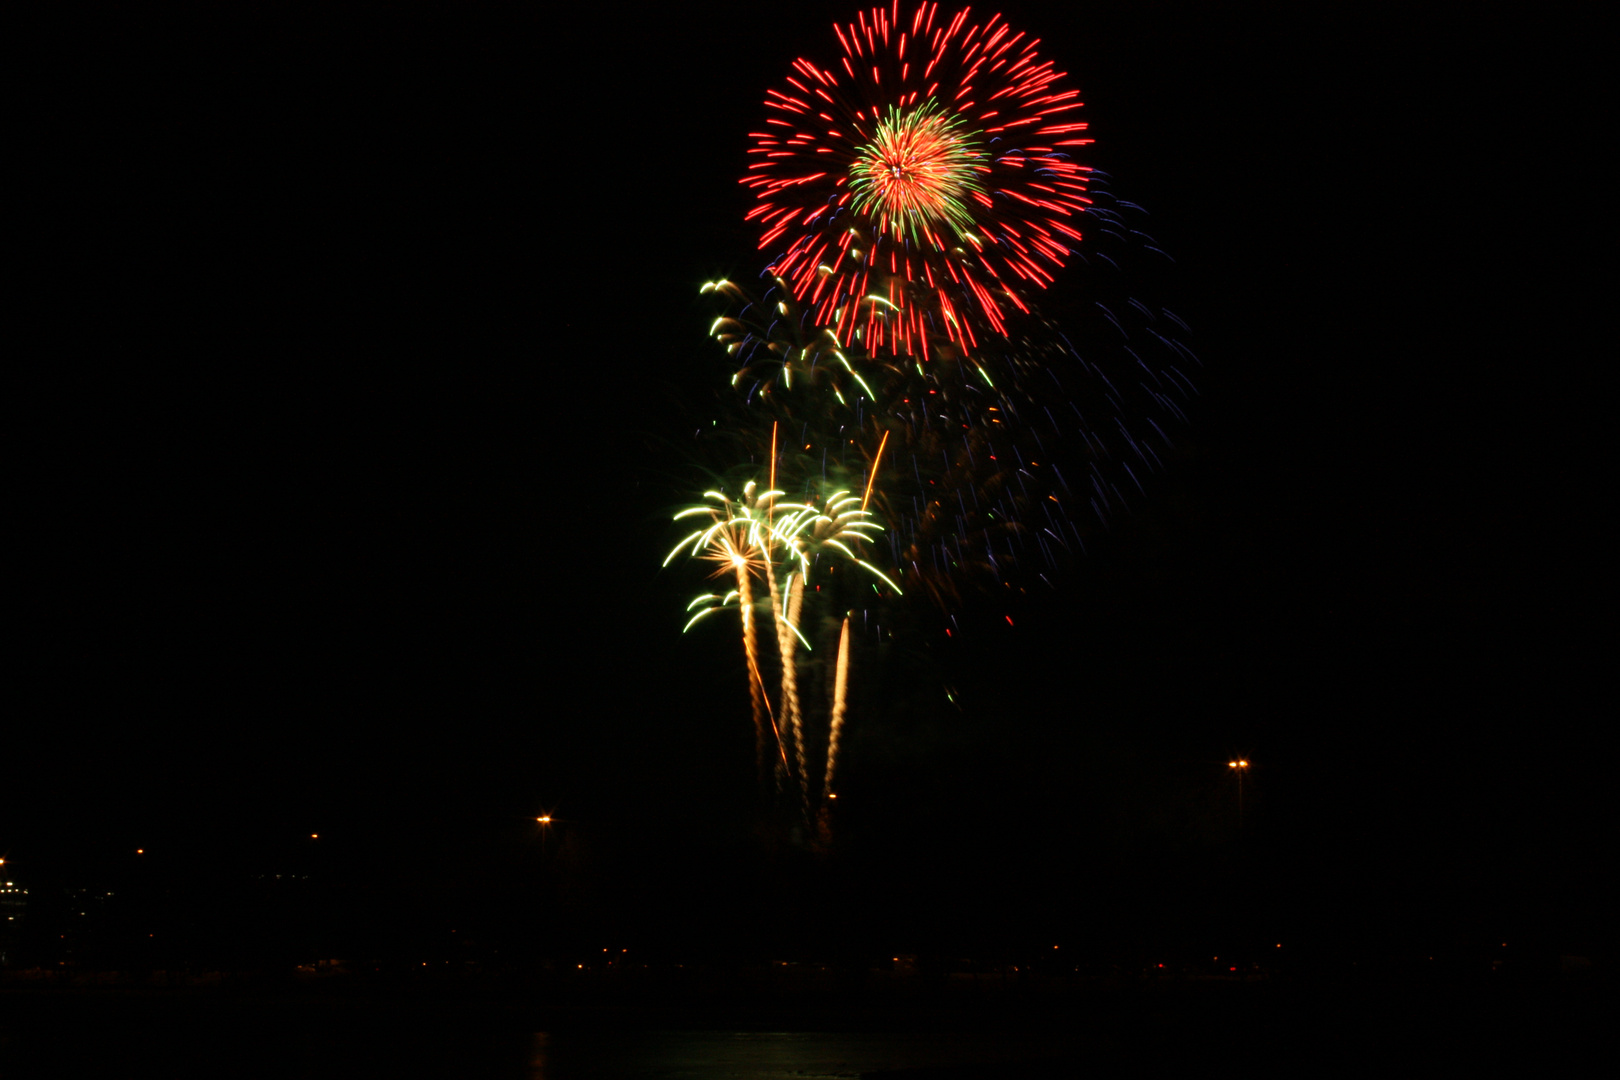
<point>360,344</point>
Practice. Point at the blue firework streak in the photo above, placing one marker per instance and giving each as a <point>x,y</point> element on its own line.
<point>1003,459</point>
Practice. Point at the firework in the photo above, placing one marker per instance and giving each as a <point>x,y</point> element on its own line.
<point>759,535</point>
<point>914,192</point>
<point>918,185</point>
<point>841,521</point>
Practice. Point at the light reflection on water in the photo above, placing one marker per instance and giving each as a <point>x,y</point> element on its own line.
<point>298,1044</point>
<point>709,1055</point>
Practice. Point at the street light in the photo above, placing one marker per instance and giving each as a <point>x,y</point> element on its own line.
<point>1241,767</point>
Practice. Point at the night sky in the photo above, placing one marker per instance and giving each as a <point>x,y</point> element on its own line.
<point>363,349</point>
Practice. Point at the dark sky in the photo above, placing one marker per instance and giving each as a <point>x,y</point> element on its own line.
<point>362,341</point>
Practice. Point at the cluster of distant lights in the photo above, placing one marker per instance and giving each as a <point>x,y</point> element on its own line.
<point>545,819</point>
<point>581,967</point>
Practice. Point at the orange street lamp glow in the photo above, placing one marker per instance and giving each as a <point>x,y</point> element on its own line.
<point>1240,765</point>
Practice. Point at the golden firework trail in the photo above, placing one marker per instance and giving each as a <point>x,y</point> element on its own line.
<point>875,462</point>
<point>786,635</point>
<point>836,727</point>
<point>840,700</point>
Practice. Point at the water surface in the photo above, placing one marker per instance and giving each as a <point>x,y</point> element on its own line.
<point>702,1055</point>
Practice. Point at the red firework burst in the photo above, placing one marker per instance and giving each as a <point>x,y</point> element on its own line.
<point>923,182</point>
